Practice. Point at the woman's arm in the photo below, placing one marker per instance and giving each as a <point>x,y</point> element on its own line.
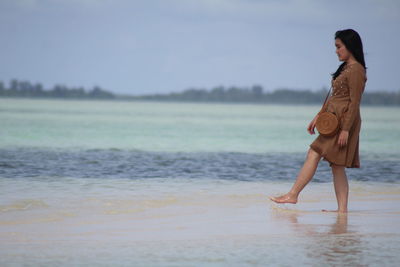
<point>311,125</point>
<point>356,82</point>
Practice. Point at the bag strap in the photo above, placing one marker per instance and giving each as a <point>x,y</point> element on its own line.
<point>326,98</point>
<point>323,105</point>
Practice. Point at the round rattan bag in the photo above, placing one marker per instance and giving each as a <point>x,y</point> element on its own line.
<point>327,124</point>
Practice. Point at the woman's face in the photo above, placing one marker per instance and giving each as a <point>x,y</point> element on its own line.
<point>341,50</point>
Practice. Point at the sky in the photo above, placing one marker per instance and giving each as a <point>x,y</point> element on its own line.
<point>162,46</point>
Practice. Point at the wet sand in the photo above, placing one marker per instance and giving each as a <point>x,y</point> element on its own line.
<point>192,222</point>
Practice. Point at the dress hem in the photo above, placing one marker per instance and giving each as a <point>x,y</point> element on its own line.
<point>331,162</point>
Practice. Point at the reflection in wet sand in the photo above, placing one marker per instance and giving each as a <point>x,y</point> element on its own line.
<point>340,227</point>
<point>332,243</point>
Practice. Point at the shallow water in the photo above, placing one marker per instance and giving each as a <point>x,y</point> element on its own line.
<point>170,184</point>
<point>135,164</point>
<point>179,127</point>
<point>183,222</point>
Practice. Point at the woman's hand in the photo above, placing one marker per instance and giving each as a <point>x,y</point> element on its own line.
<point>343,137</point>
<point>311,125</point>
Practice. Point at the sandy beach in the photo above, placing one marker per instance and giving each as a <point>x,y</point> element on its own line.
<point>191,223</point>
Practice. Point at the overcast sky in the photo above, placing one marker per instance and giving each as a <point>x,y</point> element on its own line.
<point>161,46</point>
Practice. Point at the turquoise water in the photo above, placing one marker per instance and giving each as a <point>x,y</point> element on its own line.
<point>103,183</point>
<point>152,126</point>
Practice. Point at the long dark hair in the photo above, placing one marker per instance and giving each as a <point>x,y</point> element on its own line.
<point>352,41</point>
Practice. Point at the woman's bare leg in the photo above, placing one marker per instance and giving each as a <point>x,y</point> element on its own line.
<point>305,175</point>
<point>341,187</point>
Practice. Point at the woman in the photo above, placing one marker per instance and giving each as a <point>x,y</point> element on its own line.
<point>340,150</point>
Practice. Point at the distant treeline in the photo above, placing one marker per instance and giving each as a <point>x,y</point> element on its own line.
<point>254,94</point>
<point>26,89</point>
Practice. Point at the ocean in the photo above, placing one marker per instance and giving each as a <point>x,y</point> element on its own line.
<point>185,184</point>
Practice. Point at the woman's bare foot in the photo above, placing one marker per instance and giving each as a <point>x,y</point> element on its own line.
<point>337,211</point>
<point>286,198</point>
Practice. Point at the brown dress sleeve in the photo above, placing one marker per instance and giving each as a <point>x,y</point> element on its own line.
<point>356,83</point>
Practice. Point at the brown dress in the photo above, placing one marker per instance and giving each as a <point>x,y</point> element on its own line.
<point>344,101</point>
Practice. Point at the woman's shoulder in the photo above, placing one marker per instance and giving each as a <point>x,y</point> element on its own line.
<point>356,66</point>
<point>355,69</point>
